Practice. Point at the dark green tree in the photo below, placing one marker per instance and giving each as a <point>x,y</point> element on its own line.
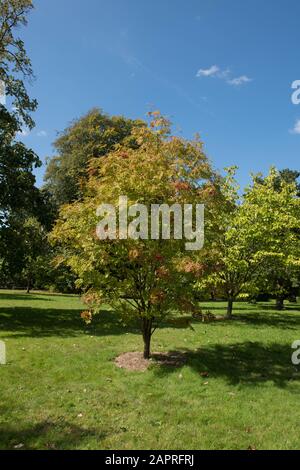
<point>92,136</point>
<point>15,65</point>
<point>17,190</point>
<point>17,181</point>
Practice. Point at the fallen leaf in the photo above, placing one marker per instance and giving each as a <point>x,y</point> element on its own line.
<point>19,446</point>
<point>204,374</point>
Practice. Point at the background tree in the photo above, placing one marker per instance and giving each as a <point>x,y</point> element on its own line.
<point>141,279</point>
<point>34,249</point>
<point>287,175</point>
<point>24,241</point>
<point>256,231</point>
<point>282,280</point>
<point>16,161</point>
<point>17,181</point>
<point>20,200</point>
<point>92,136</point>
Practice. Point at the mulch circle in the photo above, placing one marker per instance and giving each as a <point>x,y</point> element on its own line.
<point>135,361</point>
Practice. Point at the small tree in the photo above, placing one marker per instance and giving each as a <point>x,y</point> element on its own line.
<point>141,278</point>
<point>256,231</point>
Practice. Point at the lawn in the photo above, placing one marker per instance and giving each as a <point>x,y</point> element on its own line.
<point>62,390</point>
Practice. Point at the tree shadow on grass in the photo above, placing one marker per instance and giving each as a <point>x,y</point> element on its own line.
<point>261,307</point>
<point>15,296</point>
<point>288,319</point>
<point>283,320</point>
<point>216,306</point>
<point>39,323</point>
<point>47,435</point>
<point>247,364</point>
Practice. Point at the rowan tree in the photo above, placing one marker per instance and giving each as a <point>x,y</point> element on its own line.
<point>141,278</point>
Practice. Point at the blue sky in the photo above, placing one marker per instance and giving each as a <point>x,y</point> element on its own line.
<point>223,68</point>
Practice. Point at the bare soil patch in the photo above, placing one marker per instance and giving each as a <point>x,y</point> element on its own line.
<point>135,361</point>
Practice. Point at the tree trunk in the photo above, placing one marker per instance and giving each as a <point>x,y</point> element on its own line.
<point>28,285</point>
<point>229,308</point>
<point>279,303</point>
<point>147,333</point>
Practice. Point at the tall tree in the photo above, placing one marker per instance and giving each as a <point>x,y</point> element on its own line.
<point>92,136</point>
<point>16,161</point>
<point>18,194</point>
<point>15,65</point>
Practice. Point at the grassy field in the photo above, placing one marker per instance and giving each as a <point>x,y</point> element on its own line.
<point>62,390</point>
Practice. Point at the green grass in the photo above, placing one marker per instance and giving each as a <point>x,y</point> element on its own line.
<point>61,389</point>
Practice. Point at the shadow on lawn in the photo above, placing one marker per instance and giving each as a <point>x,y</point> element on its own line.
<point>47,435</point>
<point>40,322</point>
<point>242,363</point>
<point>26,297</point>
<point>283,320</point>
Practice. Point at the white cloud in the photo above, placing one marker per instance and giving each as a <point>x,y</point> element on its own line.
<point>216,72</point>
<point>211,72</point>
<point>42,134</point>
<point>296,129</point>
<point>239,80</point>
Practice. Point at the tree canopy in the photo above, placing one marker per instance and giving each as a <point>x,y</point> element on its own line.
<point>141,278</point>
<point>258,230</point>
<point>92,136</point>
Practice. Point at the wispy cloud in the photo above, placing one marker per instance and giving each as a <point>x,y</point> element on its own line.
<point>212,71</point>
<point>42,134</point>
<point>239,80</point>
<point>296,128</point>
<point>216,72</point>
